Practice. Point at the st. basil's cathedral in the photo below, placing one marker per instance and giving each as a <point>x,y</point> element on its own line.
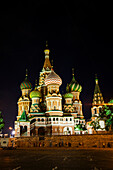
<point>42,112</point>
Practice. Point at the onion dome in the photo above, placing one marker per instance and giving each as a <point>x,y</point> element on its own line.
<point>68,95</point>
<point>35,93</point>
<point>53,78</point>
<point>26,83</point>
<point>74,85</point>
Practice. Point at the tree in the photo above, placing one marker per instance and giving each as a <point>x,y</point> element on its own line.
<point>107,114</point>
<point>1,122</point>
<point>95,125</point>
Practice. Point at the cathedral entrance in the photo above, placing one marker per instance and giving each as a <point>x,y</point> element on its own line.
<point>67,131</point>
<point>41,131</point>
<point>23,130</point>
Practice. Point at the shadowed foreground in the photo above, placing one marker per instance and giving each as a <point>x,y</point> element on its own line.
<point>56,159</point>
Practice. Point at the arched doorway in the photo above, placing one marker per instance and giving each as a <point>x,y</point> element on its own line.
<point>23,130</point>
<point>41,131</point>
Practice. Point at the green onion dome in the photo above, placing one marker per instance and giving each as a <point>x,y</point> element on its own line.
<point>26,83</point>
<point>68,95</point>
<point>35,93</point>
<point>74,86</point>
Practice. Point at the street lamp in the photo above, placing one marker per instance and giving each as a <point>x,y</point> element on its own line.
<point>12,131</point>
<point>10,128</point>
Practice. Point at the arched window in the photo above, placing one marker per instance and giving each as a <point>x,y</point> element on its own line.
<point>38,119</point>
<point>95,111</point>
<point>42,120</point>
<point>100,109</point>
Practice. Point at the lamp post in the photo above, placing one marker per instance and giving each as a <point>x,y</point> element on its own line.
<point>12,132</point>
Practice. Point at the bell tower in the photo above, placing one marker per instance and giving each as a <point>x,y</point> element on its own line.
<point>98,100</point>
<point>44,73</point>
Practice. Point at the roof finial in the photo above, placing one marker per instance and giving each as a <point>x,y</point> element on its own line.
<point>52,63</point>
<point>73,72</point>
<point>46,51</point>
<point>26,72</point>
<point>35,83</point>
<point>96,79</point>
<point>46,44</point>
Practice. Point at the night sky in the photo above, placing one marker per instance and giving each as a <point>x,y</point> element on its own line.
<point>79,34</point>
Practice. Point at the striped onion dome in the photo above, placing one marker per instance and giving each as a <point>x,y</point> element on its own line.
<point>35,93</point>
<point>68,95</point>
<point>26,83</point>
<point>53,78</point>
<point>75,86</point>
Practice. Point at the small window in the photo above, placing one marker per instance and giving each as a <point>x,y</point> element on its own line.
<point>38,120</point>
<point>53,119</point>
<point>70,119</point>
<point>56,119</point>
<point>100,109</point>
<point>42,120</point>
<point>49,119</point>
<point>66,119</point>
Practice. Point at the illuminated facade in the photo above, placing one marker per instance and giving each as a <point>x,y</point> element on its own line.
<point>41,112</point>
<point>96,109</point>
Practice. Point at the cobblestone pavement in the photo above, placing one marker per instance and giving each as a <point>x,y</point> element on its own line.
<point>53,159</point>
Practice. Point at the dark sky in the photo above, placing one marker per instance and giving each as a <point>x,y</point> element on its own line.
<point>80,35</point>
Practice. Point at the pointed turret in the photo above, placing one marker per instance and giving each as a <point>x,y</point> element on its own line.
<point>47,64</point>
<point>46,67</point>
<point>98,98</point>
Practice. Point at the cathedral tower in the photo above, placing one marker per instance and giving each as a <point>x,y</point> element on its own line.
<point>24,100</point>
<point>53,98</point>
<point>98,100</point>
<point>75,88</point>
<point>45,71</point>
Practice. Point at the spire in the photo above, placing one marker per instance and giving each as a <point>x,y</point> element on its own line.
<point>97,88</point>
<point>98,98</point>
<point>47,64</point>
